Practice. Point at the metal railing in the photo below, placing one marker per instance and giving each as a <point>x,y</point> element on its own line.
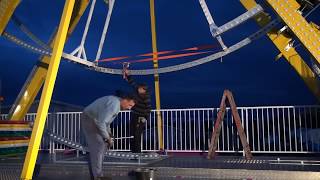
<point>276,129</point>
<point>272,129</point>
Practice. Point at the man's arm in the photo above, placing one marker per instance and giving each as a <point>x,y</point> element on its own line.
<point>106,117</point>
<point>147,101</point>
<point>103,129</point>
<point>129,79</point>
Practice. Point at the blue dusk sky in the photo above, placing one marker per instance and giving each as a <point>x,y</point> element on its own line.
<point>251,73</point>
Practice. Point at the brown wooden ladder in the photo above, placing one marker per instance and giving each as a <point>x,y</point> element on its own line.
<point>227,95</point>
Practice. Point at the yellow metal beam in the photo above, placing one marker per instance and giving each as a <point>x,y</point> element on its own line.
<point>301,67</point>
<point>29,92</point>
<point>7,7</point>
<point>156,76</point>
<point>78,11</point>
<point>281,41</point>
<point>36,78</point>
<point>46,95</point>
<point>288,12</point>
<point>315,27</point>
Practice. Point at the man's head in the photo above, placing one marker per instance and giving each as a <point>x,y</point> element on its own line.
<point>127,102</point>
<point>142,89</point>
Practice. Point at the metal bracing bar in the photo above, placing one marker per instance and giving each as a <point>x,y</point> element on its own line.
<point>206,12</point>
<point>315,67</point>
<point>237,21</point>
<point>85,32</point>
<point>75,51</point>
<point>105,29</point>
<point>84,54</point>
<point>173,68</point>
<point>122,155</point>
<point>212,25</point>
<point>24,29</point>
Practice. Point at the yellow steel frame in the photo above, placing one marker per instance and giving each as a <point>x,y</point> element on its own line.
<point>36,77</point>
<point>77,15</point>
<point>29,91</point>
<point>288,12</point>
<point>46,95</point>
<point>315,27</point>
<point>156,75</point>
<point>7,8</point>
<point>281,40</point>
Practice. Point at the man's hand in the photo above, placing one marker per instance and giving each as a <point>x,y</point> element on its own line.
<point>142,120</point>
<point>125,71</point>
<point>125,74</point>
<point>109,142</point>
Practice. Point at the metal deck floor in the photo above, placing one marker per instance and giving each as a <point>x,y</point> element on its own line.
<point>173,167</point>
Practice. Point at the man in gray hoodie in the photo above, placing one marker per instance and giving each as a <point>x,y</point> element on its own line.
<point>95,124</point>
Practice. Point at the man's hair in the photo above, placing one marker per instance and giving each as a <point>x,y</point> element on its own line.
<point>143,85</point>
<point>118,93</point>
<point>126,95</point>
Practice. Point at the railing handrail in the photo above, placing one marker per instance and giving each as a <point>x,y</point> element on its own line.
<point>191,109</point>
<point>269,129</point>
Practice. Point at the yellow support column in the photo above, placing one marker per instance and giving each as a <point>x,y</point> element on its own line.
<point>291,55</point>
<point>37,76</point>
<point>156,75</point>
<point>46,95</point>
<point>30,90</point>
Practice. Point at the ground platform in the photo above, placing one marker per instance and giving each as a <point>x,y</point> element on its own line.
<point>172,166</point>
